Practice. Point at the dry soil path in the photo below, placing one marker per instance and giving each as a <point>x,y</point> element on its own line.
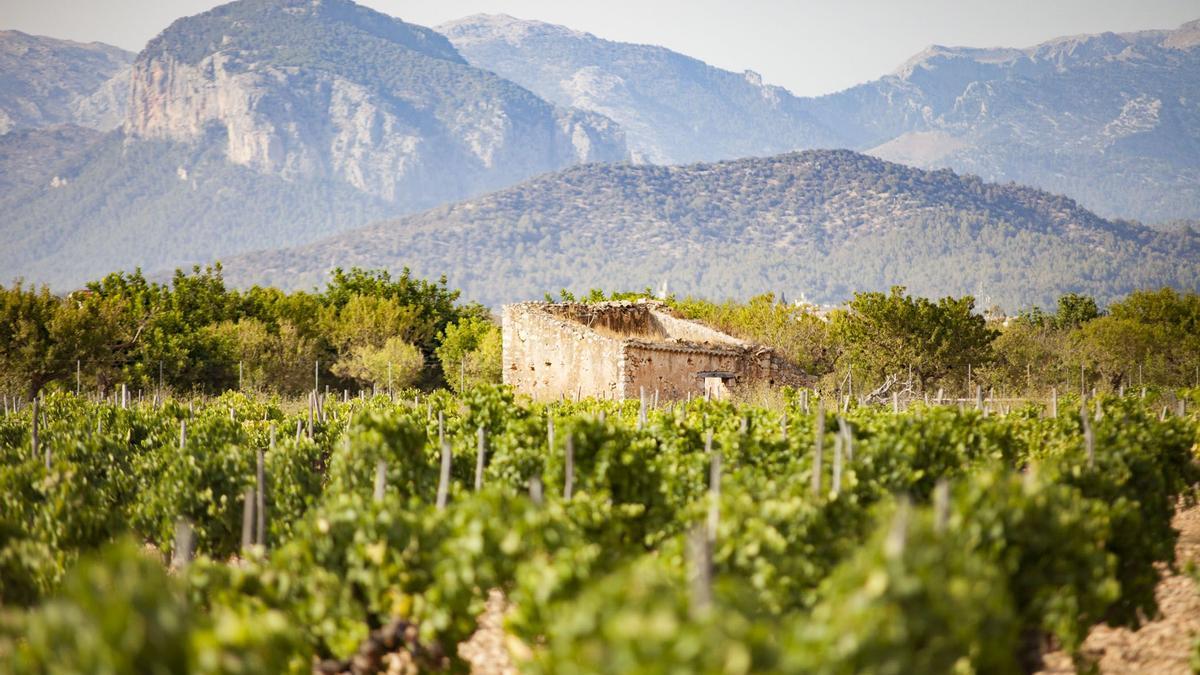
<point>1162,646</point>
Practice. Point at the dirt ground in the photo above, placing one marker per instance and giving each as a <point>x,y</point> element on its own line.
<point>485,651</point>
<point>1163,646</point>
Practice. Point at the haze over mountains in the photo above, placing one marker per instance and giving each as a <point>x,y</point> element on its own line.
<point>822,222</point>
<point>264,124</point>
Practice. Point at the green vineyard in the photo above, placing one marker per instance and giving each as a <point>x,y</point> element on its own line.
<point>247,535</point>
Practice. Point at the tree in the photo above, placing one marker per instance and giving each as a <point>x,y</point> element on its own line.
<point>1030,354</point>
<point>471,352</point>
<point>1156,332</point>
<point>888,334</point>
<point>396,362</point>
<point>1074,310</point>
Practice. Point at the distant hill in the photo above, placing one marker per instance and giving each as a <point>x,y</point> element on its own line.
<point>674,108</point>
<point>271,122</point>
<point>45,81</point>
<point>1111,120</point>
<point>822,223</point>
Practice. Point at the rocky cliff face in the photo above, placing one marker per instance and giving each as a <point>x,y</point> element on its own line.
<point>44,81</point>
<point>338,91</point>
<point>673,108</point>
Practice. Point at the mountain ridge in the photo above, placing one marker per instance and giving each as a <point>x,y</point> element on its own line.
<point>822,223</point>
<point>46,81</point>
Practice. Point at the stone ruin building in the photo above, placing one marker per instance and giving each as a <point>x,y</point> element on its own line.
<point>617,350</point>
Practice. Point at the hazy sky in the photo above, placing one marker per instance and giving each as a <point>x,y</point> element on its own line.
<point>810,46</point>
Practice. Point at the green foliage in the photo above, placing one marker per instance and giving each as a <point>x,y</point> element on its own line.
<point>119,612</point>
<point>389,437</point>
<point>1037,539</point>
<point>912,600</point>
<point>394,364</point>
<point>1049,543</point>
<point>203,482</point>
<point>470,353</point>
<point>640,620</point>
<point>794,330</point>
<point>889,334</point>
<point>193,333</point>
<point>1074,310</point>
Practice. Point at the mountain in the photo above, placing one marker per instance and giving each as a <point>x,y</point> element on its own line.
<point>822,223</point>
<point>674,108</point>
<point>44,81</point>
<point>1112,120</point>
<point>266,123</point>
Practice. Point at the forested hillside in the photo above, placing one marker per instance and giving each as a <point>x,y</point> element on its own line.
<point>821,223</point>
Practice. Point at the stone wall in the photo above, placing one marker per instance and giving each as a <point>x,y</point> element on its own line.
<point>548,357</point>
<point>672,371</point>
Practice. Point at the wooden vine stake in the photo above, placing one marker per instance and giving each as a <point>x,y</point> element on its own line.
<point>714,489</point>
<point>535,490</point>
<point>818,450</point>
<point>380,479</point>
<point>182,553</point>
<point>838,441</point>
<point>941,505</point>
<point>893,546</point>
<point>1054,402</point>
<point>260,501</point>
<point>480,450</point>
<point>444,479</point>
<point>247,521</point>
<point>34,440</point>
<point>312,404</point>
<point>569,478</point>
<point>848,434</point>
<point>700,551</point>
<point>1089,439</point>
